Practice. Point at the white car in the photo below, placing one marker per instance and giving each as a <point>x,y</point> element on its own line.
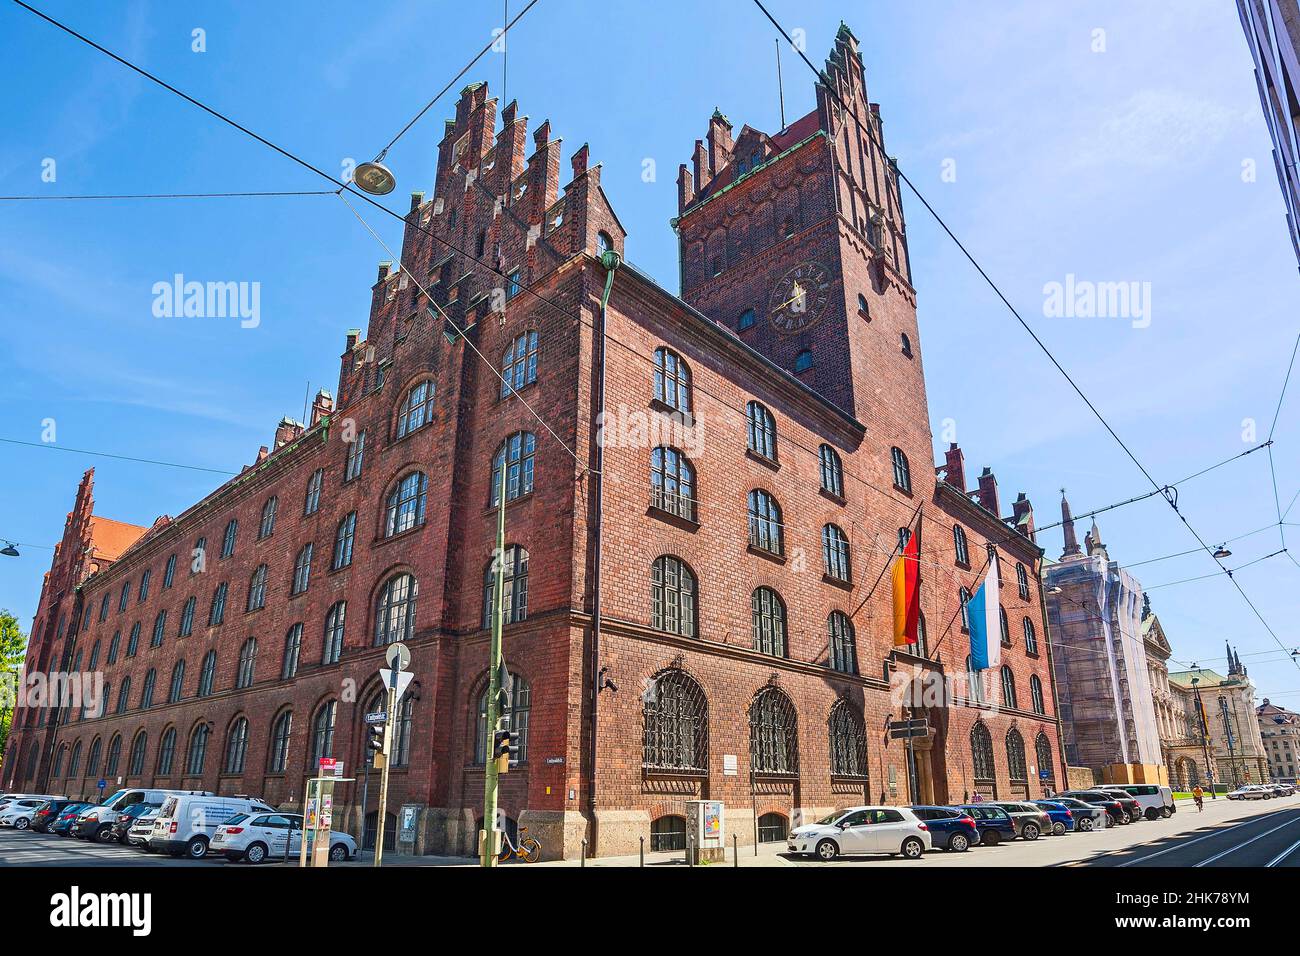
<point>141,829</point>
<point>18,813</point>
<point>891,830</point>
<point>258,837</point>
<point>187,822</point>
<point>1250,792</point>
<point>1154,800</point>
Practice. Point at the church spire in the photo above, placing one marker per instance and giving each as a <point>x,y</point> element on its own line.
<point>1071,542</point>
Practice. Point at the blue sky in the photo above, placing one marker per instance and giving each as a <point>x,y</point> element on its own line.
<point>1123,164</point>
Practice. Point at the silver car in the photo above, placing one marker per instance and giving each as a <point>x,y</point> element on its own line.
<point>138,835</point>
<point>259,837</point>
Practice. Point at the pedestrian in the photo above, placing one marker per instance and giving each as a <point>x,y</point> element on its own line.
<point>978,798</point>
<point>1199,796</point>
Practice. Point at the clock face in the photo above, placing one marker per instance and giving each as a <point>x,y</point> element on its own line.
<point>799,297</point>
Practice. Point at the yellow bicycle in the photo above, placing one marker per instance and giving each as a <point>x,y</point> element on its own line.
<point>528,850</point>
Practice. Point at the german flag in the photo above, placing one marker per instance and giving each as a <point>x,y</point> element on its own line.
<point>907,589</point>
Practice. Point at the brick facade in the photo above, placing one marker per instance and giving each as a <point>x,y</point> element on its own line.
<point>817,196</point>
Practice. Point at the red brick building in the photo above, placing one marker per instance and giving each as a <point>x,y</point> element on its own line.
<point>765,438</point>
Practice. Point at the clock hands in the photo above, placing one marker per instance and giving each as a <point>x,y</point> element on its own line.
<point>799,293</point>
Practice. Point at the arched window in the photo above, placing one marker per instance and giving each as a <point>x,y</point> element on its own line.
<point>292,651</point>
<point>1016,766</point>
<point>257,589</point>
<point>981,754</point>
<point>1043,753</point>
<point>403,723</point>
<point>959,545</point>
<point>521,707</point>
<point>519,364</point>
<point>146,693</point>
<point>280,735</point>
<point>159,629</point>
<point>247,663</point>
<point>208,673</point>
<point>963,595</point>
<point>405,507</point>
<point>769,622</point>
<point>848,741</point>
<point>110,765</point>
<point>332,645</point>
<point>217,609</point>
<point>672,381</point>
<point>745,321</point>
<point>228,539</point>
<point>803,361</point>
<point>765,527</point>
<point>187,618</point>
<point>922,648</point>
<point>94,657</point>
<point>322,732</point>
<point>1031,639</point>
<point>1008,687</point>
<point>761,430</point>
<point>832,471</point>
<point>113,646</point>
<point>57,771</point>
<point>395,610</point>
<point>773,828</point>
<point>835,553</point>
<point>416,409</point>
<point>604,243</point>
<point>672,482</point>
<point>354,460</point>
<point>1022,581</point>
<point>166,752</point>
<point>843,644</point>
<point>178,682</point>
<point>236,746</point>
<point>672,596</point>
<point>133,642</point>
<point>515,584</point>
<point>197,753</point>
<point>267,526</point>
<point>667,833</point>
<point>905,344</point>
<point>519,448</point>
<point>311,500</point>
<point>902,471</point>
<point>302,570</point>
<point>773,733</point>
<point>1036,694</point>
<point>1002,624</point>
<point>123,695</point>
<point>863,309</point>
<point>676,717</point>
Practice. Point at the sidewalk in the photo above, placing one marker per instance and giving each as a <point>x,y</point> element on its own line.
<point>768,855</point>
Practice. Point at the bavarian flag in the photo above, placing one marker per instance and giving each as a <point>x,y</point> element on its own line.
<point>984,619</point>
<point>907,589</point>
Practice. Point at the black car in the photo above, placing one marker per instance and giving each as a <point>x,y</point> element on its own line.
<point>119,830</point>
<point>47,813</point>
<point>1115,806</point>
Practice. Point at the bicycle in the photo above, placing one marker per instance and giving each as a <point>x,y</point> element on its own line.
<point>528,850</point>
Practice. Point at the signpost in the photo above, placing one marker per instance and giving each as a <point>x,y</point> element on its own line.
<point>907,730</point>
<point>488,835</point>
<point>396,679</point>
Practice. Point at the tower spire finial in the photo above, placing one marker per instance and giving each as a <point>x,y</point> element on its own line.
<point>1071,541</point>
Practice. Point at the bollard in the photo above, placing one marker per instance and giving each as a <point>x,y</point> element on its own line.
<point>735,851</point>
<point>582,860</point>
<point>642,863</point>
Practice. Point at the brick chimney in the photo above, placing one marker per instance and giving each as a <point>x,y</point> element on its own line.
<point>287,431</point>
<point>685,188</point>
<point>954,468</point>
<point>1023,513</point>
<point>987,495</point>
<point>720,142</point>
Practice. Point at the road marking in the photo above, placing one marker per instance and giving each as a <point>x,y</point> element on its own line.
<point>1283,855</point>
<point>1186,843</point>
<point>1261,836</point>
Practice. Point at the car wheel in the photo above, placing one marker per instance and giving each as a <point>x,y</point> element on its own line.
<point>990,838</point>
<point>338,853</point>
<point>197,848</point>
<point>1030,832</point>
<point>827,850</point>
<point>256,853</point>
<point>21,824</point>
<point>959,842</point>
<point>1166,812</point>
<point>104,834</point>
<point>1058,828</point>
<point>1152,813</point>
<point>913,848</point>
<point>1085,824</point>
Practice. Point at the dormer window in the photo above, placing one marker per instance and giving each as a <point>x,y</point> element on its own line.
<point>804,361</point>
<point>604,243</point>
<point>746,320</point>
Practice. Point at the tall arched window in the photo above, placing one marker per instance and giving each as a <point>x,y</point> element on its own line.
<point>57,771</point>
<point>672,596</point>
<point>187,618</point>
<point>1031,639</point>
<point>835,553</point>
<point>765,527</point>
<point>922,648</point>
<point>395,610</point>
<point>228,539</point>
<point>672,381</point>
<point>403,724</point>
<point>521,707</point>
<point>1043,753</point>
<point>92,762</point>
<point>332,645</point>
<point>843,644</point>
<point>1016,765</point>
<point>207,673</point>
<point>672,482</point>
<point>1002,624</point>
<point>236,746</point>
<point>123,695</point>
<point>292,651</point>
<point>519,364</point>
<point>416,410</point>
<point>322,732</point>
<point>981,754</point>
<point>676,716</point>
<point>280,735</point>
<point>257,589</point>
<point>963,596</point>
<point>74,764</point>
<point>178,682</point>
<point>848,741</point>
<point>135,766</point>
<point>114,646</point>
<point>519,450</point>
<point>1022,581</point>
<point>761,430</point>
<point>110,765</point>
<point>166,752</point>
<point>769,622</point>
<point>247,663</point>
<point>959,545</point>
<point>832,470</point>
<point>514,583</point>
<point>311,500</point>
<point>344,535</point>
<point>405,506</point>
<point>773,733</point>
<point>902,471</point>
<point>267,526</point>
<point>302,570</point>
<point>133,642</point>
<point>159,629</point>
<point>1008,687</point>
<point>1036,694</point>
<point>197,753</point>
<point>146,693</point>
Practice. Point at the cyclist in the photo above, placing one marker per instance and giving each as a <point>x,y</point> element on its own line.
<point>1199,796</point>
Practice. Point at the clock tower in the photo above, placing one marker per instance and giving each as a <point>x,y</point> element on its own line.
<point>796,242</point>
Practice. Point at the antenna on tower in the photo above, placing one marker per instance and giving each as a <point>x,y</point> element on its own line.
<point>780,86</point>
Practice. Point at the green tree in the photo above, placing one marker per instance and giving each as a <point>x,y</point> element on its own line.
<point>13,650</point>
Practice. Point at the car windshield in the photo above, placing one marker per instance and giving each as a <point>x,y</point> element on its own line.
<point>237,818</point>
<point>827,821</point>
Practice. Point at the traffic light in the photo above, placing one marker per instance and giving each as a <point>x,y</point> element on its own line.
<point>505,750</point>
<point>375,743</point>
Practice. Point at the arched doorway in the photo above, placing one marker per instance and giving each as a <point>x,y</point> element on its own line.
<point>1186,773</point>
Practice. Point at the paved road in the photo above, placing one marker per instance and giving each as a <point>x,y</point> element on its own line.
<point>1267,838</point>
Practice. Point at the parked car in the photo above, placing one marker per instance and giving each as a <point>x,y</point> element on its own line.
<point>1031,821</point>
<point>950,828</point>
<point>891,830</point>
<point>18,813</point>
<point>47,813</point>
<point>63,823</point>
<point>259,837</point>
<point>97,822</point>
<point>1087,816</point>
<point>128,819</point>
<point>992,822</point>
<point>1250,792</point>
<point>1061,816</point>
<point>142,829</point>
<point>9,798</point>
<point>1153,800</point>
<point>1113,805</point>
<point>186,822</point>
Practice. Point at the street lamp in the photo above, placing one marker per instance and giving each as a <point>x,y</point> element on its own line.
<point>374,177</point>
<point>1205,740</point>
<point>1222,552</point>
<point>10,550</point>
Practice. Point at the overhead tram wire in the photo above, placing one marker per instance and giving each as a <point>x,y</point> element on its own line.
<point>1215,574</point>
<point>1277,504</point>
<point>123,196</point>
<point>870,134</point>
<point>105,454</point>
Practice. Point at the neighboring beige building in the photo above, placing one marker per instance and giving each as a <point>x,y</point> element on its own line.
<point>1280,730</point>
<point>1231,731</point>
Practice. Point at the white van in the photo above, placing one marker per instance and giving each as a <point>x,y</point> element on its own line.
<point>186,822</point>
<point>97,822</point>
<point>1155,801</point>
